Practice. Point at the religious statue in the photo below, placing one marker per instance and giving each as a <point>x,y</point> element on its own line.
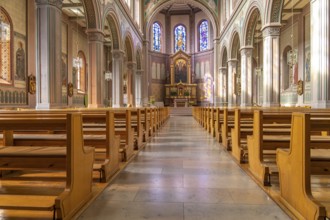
<point>20,63</point>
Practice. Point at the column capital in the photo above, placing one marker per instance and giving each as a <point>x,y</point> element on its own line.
<point>271,30</point>
<point>139,72</point>
<point>223,68</point>
<point>246,51</point>
<point>95,35</point>
<point>118,54</point>
<point>56,3</point>
<point>131,65</point>
<point>232,61</point>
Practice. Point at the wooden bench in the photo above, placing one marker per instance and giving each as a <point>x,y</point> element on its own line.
<point>76,159</point>
<point>298,164</point>
<point>105,141</point>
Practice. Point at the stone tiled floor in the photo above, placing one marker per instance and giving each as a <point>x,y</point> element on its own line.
<point>183,174</point>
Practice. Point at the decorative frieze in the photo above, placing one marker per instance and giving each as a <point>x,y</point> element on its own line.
<point>271,31</point>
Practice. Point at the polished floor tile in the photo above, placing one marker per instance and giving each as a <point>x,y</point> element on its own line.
<point>183,173</point>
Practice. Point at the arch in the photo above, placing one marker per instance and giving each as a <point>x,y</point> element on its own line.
<point>198,3</point>
<point>91,10</point>
<point>8,76</point>
<point>204,23</point>
<point>250,23</point>
<point>235,45</point>
<point>274,11</point>
<point>224,57</point>
<point>129,47</point>
<point>114,28</point>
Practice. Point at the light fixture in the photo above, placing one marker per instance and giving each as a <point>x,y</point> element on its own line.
<point>292,55</point>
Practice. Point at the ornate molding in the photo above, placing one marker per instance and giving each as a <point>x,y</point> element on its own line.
<point>247,51</point>
<point>117,54</point>
<point>276,9</point>
<point>131,65</point>
<point>56,3</point>
<point>95,35</point>
<point>271,31</point>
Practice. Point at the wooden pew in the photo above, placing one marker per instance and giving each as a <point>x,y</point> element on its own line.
<point>298,164</point>
<point>239,134</point>
<point>104,140</point>
<point>76,159</point>
<point>260,146</point>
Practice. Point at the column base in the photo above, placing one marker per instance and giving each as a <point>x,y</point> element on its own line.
<point>95,105</point>
<point>270,104</point>
<point>321,104</point>
<point>46,106</point>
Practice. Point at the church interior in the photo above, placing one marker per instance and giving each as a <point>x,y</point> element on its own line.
<point>165,109</point>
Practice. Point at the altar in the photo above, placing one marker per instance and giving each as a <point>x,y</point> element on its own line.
<point>181,92</point>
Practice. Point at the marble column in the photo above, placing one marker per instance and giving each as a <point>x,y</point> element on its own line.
<point>246,76</point>
<point>117,78</point>
<point>320,51</point>
<point>146,80</point>
<point>231,96</point>
<point>216,71</point>
<point>131,71</point>
<point>223,86</point>
<point>271,66</point>
<point>138,88</point>
<point>96,69</point>
<point>49,44</point>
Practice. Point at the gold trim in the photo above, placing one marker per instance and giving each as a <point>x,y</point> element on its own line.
<point>300,87</point>
<point>32,84</point>
<point>70,89</point>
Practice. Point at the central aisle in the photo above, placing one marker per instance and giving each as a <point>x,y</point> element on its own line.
<point>183,174</point>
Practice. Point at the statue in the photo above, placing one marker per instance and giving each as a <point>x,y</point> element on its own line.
<point>20,63</point>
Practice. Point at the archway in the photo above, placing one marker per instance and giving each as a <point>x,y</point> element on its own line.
<point>129,73</point>
<point>235,72</point>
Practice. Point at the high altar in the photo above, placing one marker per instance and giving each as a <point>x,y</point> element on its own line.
<point>181,92</point>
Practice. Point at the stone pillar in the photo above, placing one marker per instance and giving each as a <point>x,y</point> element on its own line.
<point>138,88</point>
<point>231,96</point>
<point>117,78</point>
<point>216,73</point>
<point>131,72</point>
<point>96,69</point>
<point>320,51</point>
<point>223,86</point>
<point>271,66</point>
<point>49,44</point>
<point>145,76</point>
<point>246,76</point>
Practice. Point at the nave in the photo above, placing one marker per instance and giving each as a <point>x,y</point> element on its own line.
<point>183,173</point>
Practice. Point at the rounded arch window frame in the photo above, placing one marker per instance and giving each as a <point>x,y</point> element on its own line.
<point>199,34</point>
<point>160,38</point>
<point>11,56</point>
<point>81,87</point>
<point>174,37</point>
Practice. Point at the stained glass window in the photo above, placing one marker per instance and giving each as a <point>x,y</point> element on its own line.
<point>157,36</point>
<point>180,38</point>
<point>81,72</point>
<point>203,35</point>
<point>5,45</point>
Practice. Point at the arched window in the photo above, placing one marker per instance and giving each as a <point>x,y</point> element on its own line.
<point>203,35</point>
<point>157,33</point>
<point>5,47</point>
<point>180,38</point>
<point>81,73</point>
